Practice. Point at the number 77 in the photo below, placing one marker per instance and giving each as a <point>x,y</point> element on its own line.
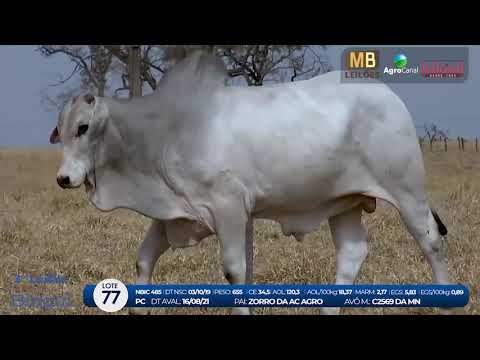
<point>108,292</point>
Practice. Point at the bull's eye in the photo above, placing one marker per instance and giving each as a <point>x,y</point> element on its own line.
<point>82,129</point>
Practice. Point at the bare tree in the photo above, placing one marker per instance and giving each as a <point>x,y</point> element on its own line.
<point>91,63</point>
<point>443,136</point>
<point>421,140</point>
<point>149,64</point>
<point>259,63</point>
<point>94,63</point>
<point>434,133</point>
<point>100,66</point>
<point>57,102</point>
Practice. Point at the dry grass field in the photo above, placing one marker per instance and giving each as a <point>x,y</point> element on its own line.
<point>47,230</point>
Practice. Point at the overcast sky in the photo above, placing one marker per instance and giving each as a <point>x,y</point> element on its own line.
<point>25,121</point>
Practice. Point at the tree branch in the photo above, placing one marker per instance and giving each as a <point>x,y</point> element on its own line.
<point>61,82</point>
<point>76,58</point>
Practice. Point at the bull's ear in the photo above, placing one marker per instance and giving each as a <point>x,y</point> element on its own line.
<point>89,99</point>
<point>55,136</point>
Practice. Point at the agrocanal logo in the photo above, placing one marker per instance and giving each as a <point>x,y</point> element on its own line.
<point>400,62</point>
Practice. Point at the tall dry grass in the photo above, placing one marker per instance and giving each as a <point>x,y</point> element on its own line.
<point>44,230</point>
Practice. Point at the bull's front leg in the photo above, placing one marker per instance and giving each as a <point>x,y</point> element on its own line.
<point>235,231</point>
<point>154,245</point>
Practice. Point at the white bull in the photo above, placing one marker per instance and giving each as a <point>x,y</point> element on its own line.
<point>202,158</point>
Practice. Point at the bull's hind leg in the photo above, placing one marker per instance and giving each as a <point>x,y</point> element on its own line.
<point>426,227</point>
<point>350,239</point>
<point>154,245</point>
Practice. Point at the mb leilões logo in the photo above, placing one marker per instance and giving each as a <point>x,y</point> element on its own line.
<point>361,64</point>
<point>362,59</point>
<point>400,62</point>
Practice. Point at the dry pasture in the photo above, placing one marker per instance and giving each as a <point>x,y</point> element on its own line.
<point>47,230</point>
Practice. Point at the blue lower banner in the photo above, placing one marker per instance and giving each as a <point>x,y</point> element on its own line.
<point>201,295</point>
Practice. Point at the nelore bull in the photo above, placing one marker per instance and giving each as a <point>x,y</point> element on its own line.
<point>199,158</point>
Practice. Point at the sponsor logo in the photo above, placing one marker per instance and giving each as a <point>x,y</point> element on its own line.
<point>28,301</point>
<point>404,64</point>
<point>41,279</point>
<point>362,64</point>
<point>400,62</point>
<point>436,69</point>
<point>362,59</point>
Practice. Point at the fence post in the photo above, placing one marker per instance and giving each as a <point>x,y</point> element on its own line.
<point>445,142</point>
<point>476,144</point>
<point>458,140</point>
<point>463,144</point>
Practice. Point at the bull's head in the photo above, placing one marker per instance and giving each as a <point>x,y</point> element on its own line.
<point>79,127</point>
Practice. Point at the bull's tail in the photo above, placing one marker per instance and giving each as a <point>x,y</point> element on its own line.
<point>442,229</point>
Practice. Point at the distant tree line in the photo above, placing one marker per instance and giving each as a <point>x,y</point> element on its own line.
<point>432,133</point>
